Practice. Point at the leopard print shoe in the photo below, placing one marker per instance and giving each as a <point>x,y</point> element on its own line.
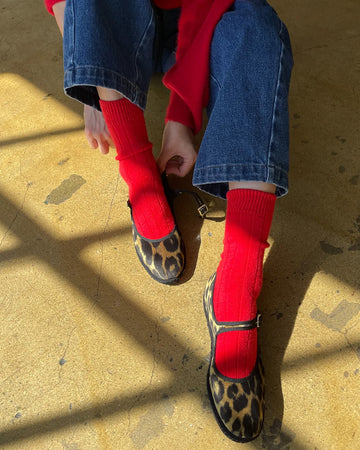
<point>238,404</point>
<point>163,259</point>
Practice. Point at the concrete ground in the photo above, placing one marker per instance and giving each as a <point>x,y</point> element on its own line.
<point>96,355</point>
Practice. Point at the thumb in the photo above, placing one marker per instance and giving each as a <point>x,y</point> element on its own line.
<point>184,168</point>
<point>178,166</point>
<point>161,162</point>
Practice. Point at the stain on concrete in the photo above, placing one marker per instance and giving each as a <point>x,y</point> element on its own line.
<point>63,161</point>
<point>185,359</point>
<point>151,424</point>
<point>341,139</point>
<point>277,438</point>
<point>330,249</point>
<point>339,317</point>
<point>65,191</point>
<point>341,169</point>
<point>354,248</point>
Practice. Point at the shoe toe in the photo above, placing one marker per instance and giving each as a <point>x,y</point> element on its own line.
<point>164,258</point>
<point>238,405</point>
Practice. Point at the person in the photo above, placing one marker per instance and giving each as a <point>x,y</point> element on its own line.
<point>232,57</point>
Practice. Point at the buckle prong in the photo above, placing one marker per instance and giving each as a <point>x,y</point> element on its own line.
<point>258,320</point>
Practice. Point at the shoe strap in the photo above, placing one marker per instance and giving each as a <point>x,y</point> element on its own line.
<point>240,326</point>
<point>171,194</point>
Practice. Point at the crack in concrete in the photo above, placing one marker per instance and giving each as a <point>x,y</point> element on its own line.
<point>62,359</point>
<point>151,423</point>
<point>137,398</point>
<point>351,346</point>
<point>101,237</point>
<point>16,215</point>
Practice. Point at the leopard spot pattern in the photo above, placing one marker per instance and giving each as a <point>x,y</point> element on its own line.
<point>164,258</point>
<point>238,404</point>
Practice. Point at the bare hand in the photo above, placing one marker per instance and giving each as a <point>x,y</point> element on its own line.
<point>96,131</point>
<point>178,153</point>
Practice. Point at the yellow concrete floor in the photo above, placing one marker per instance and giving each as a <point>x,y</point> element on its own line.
<point>96,355</point>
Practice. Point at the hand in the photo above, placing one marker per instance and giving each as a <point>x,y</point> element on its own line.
<point>58,10</point>
<point>96,131</point>
<point>178,153</point>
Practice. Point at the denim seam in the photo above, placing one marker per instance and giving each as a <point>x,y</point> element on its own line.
<point>73,36</point>
<point>117,74</point>
<point>136,92</point>
<point>205,176</point>
<point>199,169</point>
<point>216,80</point>
<point>141,43</point>
<point>275,101</point>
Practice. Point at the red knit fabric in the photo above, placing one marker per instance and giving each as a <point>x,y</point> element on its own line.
<point>188,79</point>
<point>151,212</point>
<point>239,277</point>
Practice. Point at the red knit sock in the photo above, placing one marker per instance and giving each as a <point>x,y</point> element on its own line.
<point>239,277</point>
<point>151,212</point>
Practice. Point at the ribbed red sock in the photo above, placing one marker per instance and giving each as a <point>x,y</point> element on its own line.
<point>151,212</point>
<point>239,277</point>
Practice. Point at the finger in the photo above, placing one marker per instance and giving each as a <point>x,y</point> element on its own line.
<point>93,143</point>
<point>104,146</point>
<point>161,162</point>
<point>184,169</point>
<point>180,166</point>
<point>173,166</point>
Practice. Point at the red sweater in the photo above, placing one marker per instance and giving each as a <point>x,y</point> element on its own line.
<point>188,79</point>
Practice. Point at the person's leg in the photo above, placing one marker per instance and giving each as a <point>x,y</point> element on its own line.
<point>157,221</point>
<point>109,61</point>
<point>244,157</point>
<point>108,44</point>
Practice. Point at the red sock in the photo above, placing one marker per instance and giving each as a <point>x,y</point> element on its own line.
<point>239,277</point>
<point>151,212</point>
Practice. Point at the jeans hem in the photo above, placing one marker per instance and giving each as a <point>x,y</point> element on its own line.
<point>215,179</point>
<point>80,84</point>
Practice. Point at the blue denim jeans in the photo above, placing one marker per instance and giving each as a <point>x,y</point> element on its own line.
<point>119,45</point>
